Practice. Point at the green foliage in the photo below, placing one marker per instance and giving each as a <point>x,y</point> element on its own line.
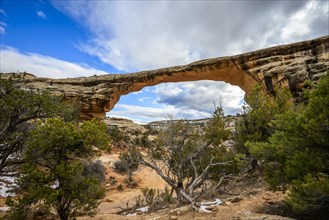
<point>176,145</point>
<point>317,113</point>
<point>215,134</point>
<point>240,162</point>
<point>221,154</point>
<point>143,140</point>
<point>185,155</point>
<point>296,155</point>
<point>94,168</point>
<point>149,194</point>
<point>215,129</point>
<point>155,198</point>
<point>310,195</point>
<point>19,107</point>
<point>166,196</point>
<point>57,173</point>
<point>116,134</point>
<point>112,180</point>
<point>254,125</point>
<point>94,134</point>
<point>128,161</point>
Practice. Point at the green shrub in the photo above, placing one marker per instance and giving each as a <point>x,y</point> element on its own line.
<point>296,155</point>
<point>128,162</point>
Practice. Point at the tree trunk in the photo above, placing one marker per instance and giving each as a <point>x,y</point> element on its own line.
<point>191,200</point>
<point>62,214</point>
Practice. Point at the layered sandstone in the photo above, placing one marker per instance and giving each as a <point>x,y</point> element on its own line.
<point>285,66</point>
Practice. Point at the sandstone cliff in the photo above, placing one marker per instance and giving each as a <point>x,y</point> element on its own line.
<point>285,66</point>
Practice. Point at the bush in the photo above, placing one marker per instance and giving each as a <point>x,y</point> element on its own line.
<point>155,198</point>
<point>143,141</point>
<point>95,168</point>
<point>112,180</point>
<point>296,155</point>
<point>254,124</point>
<point>57,172</point>
<point>19,109</point>
<point>128,162</point>
<point>121,166</point>
<point>120,188</point>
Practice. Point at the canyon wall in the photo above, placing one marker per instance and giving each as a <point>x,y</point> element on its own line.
<point>285,66</point>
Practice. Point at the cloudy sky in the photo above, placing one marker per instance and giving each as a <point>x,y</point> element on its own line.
<point>60,39</point>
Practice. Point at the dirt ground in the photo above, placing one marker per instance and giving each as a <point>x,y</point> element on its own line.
<point>247,198</point>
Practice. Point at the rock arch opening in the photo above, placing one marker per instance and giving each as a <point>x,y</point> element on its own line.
<point>182,100</point>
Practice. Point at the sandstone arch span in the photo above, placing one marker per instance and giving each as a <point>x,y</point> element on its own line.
<point>285,66</point>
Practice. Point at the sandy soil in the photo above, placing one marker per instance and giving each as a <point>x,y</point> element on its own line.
<point>247,208</point>
<point>244,199</point>
<point>117,200</point>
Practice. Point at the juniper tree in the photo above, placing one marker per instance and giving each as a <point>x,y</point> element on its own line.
<point>184,156</point>
<point>59,172</point>
<point>19,107</point>
<point>296,155</point>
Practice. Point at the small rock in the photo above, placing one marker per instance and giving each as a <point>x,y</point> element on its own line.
<point>181,209</point>
<point>228,203</point>
<point>235,199</point>
<point>269,202</point>
<point>173,217</point>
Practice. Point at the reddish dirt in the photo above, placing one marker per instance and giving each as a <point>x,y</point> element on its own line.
<point>246,198</point>
<point>116,200</point>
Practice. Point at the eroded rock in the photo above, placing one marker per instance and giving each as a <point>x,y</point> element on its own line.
<point>285,66</point>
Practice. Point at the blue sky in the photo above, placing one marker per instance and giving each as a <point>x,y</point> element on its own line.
<point>61,39</point>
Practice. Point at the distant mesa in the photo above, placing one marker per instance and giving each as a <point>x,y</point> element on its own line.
<point>284,66</point>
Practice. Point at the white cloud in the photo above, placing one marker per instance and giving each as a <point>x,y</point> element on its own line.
<point>3,26</point>
<point>193,101</point>
<point>150,34</point>
<point>2,12</point>
<point>168,89</point>
<point>142,99</point>
<point>2,30</point>
<point>41,14</point>
<point>301,23</point>
<point>43,66</point>
<point>142,114</point>
<point>201,96</point>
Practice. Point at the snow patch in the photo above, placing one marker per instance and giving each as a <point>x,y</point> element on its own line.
<point>5,188</point>
<point>133,214</point>
<point>205,206</point>
<point>4,209</point>
<point>139,211</point>
<point>143,209</point>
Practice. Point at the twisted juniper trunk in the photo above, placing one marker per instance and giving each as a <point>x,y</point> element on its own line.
<point>63,208</point>
<point>178,191</point>
<point>62,213</point>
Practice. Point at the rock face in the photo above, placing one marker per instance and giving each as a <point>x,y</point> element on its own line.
<point>285,66</point>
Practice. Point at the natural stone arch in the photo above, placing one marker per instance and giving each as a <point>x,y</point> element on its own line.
<point>284,66</point>
<point>228,73</point>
